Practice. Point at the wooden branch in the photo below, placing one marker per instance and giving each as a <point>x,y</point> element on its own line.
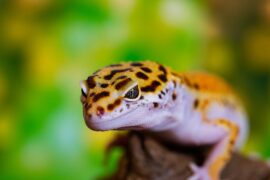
<point>146,158</point>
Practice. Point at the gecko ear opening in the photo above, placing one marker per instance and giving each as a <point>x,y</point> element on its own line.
<point>84,88</point>
<point>133,93</point>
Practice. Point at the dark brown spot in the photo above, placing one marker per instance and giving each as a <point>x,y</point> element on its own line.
<point>196,103</point>
<point>136,64</point>
<point>196,86</point>
<point>146,69</point>
<point>141,97</point>
<point>100,111</point>
<point>91,82</point>
<point>160,97</point>
<point>110,107</point>
<point>114,65</point>
<point>162,92</point>
<point>122,83</point>
<point>121,77</point>
<point>100,95</point>
<point>141,75</point>
<point>152,87</point>
<point>174,96</point>
<point>116,103</point>
<point>104,85</point>
<point>115,71</point>
<point>127,105</point>
<point>163,69</point>
<point>162,77</point>
<point>155,104</point>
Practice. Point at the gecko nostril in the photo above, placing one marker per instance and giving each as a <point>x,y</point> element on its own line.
<point>100,111</point>
<point>87,105</point>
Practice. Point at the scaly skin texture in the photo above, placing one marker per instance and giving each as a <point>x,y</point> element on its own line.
<point>186,108</point>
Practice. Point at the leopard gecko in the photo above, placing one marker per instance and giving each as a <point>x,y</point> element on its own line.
<point>192,108</point>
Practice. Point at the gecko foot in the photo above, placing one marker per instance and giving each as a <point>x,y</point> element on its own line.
<point>199,173</point>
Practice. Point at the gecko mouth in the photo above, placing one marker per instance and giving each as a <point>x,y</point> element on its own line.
<point>135,127</point>
<point>117,122</point>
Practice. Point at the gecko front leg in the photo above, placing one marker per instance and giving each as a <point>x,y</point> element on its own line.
<point>220,153</point>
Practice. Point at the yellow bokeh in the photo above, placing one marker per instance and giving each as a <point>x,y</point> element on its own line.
<point>7,130</point>
<point>44,61</point>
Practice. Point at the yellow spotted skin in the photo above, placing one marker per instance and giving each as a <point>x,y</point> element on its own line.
<point>112,81</point>
<point>104,91</point>
<point>151,78</point>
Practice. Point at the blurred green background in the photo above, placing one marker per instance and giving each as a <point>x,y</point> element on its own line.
<point>47,47</point>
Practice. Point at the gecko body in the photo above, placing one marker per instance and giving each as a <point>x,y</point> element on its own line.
<point>185,108</point>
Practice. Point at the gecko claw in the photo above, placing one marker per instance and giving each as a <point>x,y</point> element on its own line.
<point>199,173</point>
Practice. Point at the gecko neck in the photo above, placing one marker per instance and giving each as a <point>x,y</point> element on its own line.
<point>173,111</point>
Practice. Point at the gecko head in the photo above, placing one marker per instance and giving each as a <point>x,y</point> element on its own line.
<point>123,96</point>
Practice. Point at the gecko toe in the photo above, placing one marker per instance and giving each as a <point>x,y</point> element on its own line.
<point>199,173</point>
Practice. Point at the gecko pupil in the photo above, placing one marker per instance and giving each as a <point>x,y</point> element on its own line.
<point>132,93</point>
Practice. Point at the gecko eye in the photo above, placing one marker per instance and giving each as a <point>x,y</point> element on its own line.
<point>84,89</point>
<point>83,93</point>
<point>132,94</point>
